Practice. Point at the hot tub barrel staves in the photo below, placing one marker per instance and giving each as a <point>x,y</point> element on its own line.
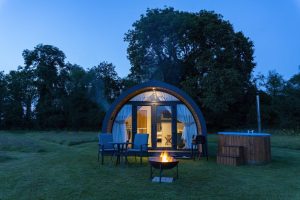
<point>256,148</point>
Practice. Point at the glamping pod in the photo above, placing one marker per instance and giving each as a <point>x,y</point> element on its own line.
<point>166,113</point>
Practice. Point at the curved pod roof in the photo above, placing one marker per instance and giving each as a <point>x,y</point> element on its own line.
<point>148,86</point>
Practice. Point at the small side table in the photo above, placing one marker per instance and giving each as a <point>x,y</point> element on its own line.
<point>120,151</point>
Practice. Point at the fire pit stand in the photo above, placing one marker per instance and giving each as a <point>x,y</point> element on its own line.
<point>157,163</point>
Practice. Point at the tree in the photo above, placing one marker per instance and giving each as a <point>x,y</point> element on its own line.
<point>199,52</point>
<point>272,107</point>
<point>83,113</point>
<point>48,64</point>
<point>158,46</point>
<point>29,92</point>
<point>13,108</point>
<point>107,80</point>
<point>290,104</point>
<point>3,97</point>
<point>280,100</point>
<point>18,95</point>
<point>274,84</point>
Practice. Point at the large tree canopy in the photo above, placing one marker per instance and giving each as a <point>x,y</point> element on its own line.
<point>49,66</point>
<point>158,45</point>
<point>62,95</point>
<point>105,80</point>
<point>199,52</point>
<point>83,112</point>
<point>3,98</point>
<point>280,100</point>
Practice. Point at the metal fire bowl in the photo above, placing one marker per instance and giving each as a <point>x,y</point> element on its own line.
<point>156,163</point>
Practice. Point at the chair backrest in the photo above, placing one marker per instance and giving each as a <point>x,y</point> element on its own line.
<point>200,139</point>
<point>105,139</point>
<point>140,139</point>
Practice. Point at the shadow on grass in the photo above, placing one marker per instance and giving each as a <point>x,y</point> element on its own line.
<point>72,143</point>
<point>20,144</point>
<point>69,141</point>
<point>5,158</point>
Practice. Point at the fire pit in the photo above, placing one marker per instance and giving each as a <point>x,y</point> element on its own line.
<point>163,162</point>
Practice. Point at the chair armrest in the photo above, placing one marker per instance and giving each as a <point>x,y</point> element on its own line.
<point>146,145</point>
<point>102,147</point>
<point>128,143</point>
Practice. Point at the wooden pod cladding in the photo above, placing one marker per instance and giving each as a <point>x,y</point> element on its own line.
<point>256,147</point>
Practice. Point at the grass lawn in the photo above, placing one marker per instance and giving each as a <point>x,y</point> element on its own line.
<point>52,165</point>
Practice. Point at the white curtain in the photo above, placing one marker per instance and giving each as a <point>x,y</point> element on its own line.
<point>119,126</point>
<point>189,129</point>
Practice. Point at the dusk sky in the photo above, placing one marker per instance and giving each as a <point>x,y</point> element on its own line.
<point>90,31</point>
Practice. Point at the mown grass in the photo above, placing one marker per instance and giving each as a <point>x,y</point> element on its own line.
<point>291,132</point>
<point>66,171</point>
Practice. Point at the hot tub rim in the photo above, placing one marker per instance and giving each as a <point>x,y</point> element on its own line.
<point>245,134</point>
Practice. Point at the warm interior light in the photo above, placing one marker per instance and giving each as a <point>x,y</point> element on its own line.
<point>164,156</point>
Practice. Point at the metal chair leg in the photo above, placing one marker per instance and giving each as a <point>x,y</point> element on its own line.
<point>112,156</point>
<point>102,158</point>
<point>193,152</point>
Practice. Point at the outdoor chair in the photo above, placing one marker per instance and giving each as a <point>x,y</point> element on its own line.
<point>139,146</point>
<point>199,141</point>
<point>105,145</point>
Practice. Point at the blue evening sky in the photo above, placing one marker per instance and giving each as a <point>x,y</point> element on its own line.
<point>90,31</point>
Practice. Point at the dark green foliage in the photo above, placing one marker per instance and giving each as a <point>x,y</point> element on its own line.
<point>83,113</point>
<point>105,76</point>
<point>280,101</point>
<point>127,83</point>
<point>48,63</point>
<point>13,111</point>
<point>17,96</point>
<point>290,104</point>
<point>47,93</point>
<point>199,52</point>
<point>156,45</point>
<point>3,97</point>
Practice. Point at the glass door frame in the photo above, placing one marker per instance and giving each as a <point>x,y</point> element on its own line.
<point>154,105</point>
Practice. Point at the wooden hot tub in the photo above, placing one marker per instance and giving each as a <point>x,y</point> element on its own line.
<point>256,148</point>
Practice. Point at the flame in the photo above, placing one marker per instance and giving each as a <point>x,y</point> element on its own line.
<point>164,156</point>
